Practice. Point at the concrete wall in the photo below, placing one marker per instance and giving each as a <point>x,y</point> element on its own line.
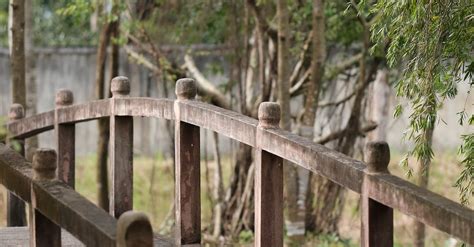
<point>74,69</point>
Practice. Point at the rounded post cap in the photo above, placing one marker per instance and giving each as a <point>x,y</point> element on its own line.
<point>134,229</point>
<point>64,97</point>
<point>269,115</point>
<point>120,86</point>
<point>186,88</point>
<point>44,164</point>
<point>377,157</point>
<point>16,112</point>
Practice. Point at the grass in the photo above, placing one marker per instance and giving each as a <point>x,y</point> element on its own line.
<point>154,189</point>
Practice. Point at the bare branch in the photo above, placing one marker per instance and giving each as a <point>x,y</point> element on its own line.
<point>205,86</point>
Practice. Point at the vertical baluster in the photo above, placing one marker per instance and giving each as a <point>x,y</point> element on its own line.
<point>268,184</point>
<point>16,215</point>
<point>188,185</point>
<point>43,232</point>
<point>120,152</point>
<point>134,230</point>
<point>65,140</point>
<point>377,218</point>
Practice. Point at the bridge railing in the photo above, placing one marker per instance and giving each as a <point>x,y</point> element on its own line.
<point>55,205</point>
<point>380,191</point>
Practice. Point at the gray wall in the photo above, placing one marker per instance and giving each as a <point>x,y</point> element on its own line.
<point>74,69</point>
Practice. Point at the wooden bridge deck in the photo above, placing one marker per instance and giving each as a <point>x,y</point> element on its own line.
<point>20,236</point>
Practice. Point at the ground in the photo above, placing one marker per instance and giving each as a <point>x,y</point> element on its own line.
<point>153,194</point>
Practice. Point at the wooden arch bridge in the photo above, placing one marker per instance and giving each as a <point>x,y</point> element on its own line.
<point>47,184</point>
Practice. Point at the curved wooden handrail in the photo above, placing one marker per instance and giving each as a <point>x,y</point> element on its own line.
<point>136,107</point>
<point>390,190</point>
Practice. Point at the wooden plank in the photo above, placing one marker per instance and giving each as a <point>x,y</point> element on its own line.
<point>120,153</point>
<point>144,107</point>
<point>57,201</point>
<point>67,208</point>
<point>228,123</point>
<point>268,184</point>
<point>16,215</point>
<point>65,140</point>
<point>30,126</point>
<point>268,199</point>
<point>43,232</point>
<point>19,236</point>
<point>316,158</point>
<point>377,218</point>
<point>84,112</point>
<point>187,181</point>
<point>423,205</point>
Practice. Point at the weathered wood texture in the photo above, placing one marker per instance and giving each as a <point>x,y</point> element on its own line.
<point>57,201</point>
<point>120,153</point>
<point>268,184</point>
<point>16,215</point>
<point>65,140</point>
<point>19,236</point>
<point>377,218</point>
<point>187,181</point>
<point>384,188</point>
<point>134,230</point>
<point>31,126</point>
<point>43,232</point>
<point>137,107</point>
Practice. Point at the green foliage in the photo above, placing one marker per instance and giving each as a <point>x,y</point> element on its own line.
<point>432,41</point>
<point>246,237</point>
<point>63,23</point>
<point>465,182</point>
<point>200,21</point>
<point>4,23</point>
<point>55,23</point>
<point>333,240</point>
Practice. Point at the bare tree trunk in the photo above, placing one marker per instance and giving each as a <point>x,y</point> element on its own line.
<point>295,223</point>
<point>103,142</point>
<point>423,178</point>
<point>16,207</point>
<point>31,143</point>
<point>283,64</point>
<point>306,127</point>
<point>217,189</point>
<point>379,106</point>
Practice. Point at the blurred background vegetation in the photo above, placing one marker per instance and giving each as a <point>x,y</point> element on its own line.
<point>332,65</point>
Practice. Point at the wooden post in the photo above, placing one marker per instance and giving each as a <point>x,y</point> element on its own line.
<point>268,184</point>
<point>134,230</point>
<point>188,184</point>
<point>16,215</point>
<point>377,218</point>
<point>43,232</point>
<point>65,140</point>
<point>120,153</point>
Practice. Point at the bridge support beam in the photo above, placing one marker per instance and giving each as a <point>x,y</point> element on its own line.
<point>43,232</point>
<point>377,218</point>
<point>65,140</point>
<point>187,173</point>
<point>268,184</point>
<point>120,152</point>
<point>16,215</point>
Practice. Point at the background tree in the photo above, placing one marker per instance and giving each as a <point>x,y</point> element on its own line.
<point>16,207</point>
<point>432,41</point>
